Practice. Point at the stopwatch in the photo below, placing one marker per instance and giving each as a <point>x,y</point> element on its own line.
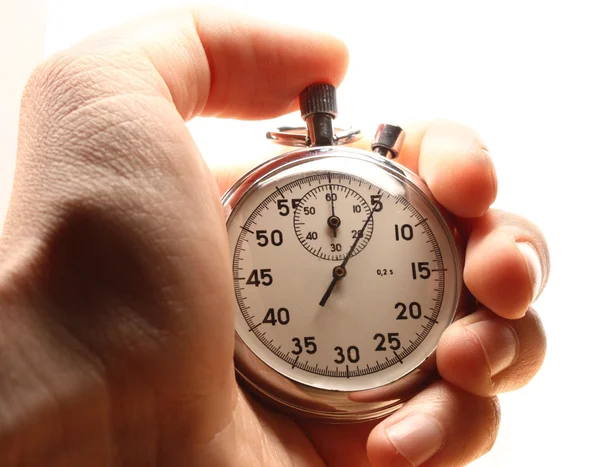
<point>346,272</point>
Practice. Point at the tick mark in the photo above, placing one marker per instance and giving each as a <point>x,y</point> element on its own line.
<point>424,220</point>
<point>246,229</point>
<point>295,361</point>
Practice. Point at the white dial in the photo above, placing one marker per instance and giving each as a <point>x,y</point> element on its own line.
<point>345,274</point>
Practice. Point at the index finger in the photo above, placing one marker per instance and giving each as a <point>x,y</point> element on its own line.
<point>215,62</point>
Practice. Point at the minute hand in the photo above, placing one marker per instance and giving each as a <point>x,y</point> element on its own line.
<point>341,269</point>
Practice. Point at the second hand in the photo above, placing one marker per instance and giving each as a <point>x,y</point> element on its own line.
<point>340,271</point>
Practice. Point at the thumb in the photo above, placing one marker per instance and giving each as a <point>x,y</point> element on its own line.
<point>117,221</point>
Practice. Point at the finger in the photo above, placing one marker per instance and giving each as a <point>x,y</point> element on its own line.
<point>486,355</point>
<point>441,426</point>
<point>453,161</point>
<point>224,63</point>
<point>507,262</point>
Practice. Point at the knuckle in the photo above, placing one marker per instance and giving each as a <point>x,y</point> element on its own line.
<point>58,80</point>
<point>76,78</point>
<point>91,111</point>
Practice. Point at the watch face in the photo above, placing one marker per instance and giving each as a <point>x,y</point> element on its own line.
<point>345,272</point>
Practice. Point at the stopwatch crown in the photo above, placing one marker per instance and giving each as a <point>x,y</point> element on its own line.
<point>318,98</point>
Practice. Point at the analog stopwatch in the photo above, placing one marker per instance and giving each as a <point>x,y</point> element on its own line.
<point>346,272</point>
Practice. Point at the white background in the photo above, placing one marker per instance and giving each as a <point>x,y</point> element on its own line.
<point>525,74</point>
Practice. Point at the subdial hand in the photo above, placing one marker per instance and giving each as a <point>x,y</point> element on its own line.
<point>340,271</point>
<point>333,221</point>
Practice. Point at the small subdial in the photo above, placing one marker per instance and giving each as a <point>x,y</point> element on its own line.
<point>330,218</point>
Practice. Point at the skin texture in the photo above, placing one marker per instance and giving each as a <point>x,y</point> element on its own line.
<point>116,311</point>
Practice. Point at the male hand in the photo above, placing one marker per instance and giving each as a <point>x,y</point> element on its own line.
<point>116,303</point>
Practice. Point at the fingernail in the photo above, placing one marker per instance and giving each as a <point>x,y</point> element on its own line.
<point>417,438</point>
<point>499,343</point>
<point>533,265</point>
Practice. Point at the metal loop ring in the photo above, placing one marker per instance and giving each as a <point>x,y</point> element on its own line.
<point>297,136</point>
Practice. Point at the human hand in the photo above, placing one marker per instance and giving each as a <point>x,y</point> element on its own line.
<point>116,342</point>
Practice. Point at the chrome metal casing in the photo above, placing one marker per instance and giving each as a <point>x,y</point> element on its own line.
<point>325,405</point>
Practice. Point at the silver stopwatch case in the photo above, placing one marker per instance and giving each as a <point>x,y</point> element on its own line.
<point>346,273</point>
